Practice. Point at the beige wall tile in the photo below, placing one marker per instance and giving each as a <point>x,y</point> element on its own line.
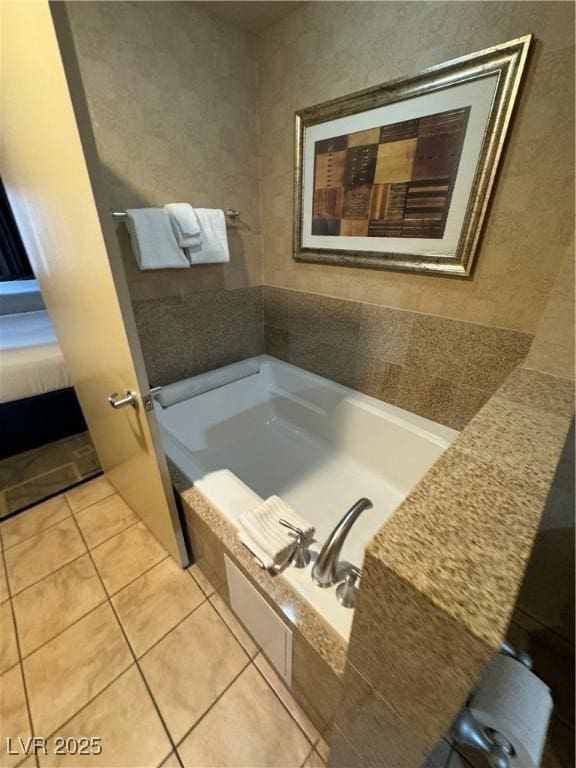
<point>286,698</point>
<point>191,667</point>
<point>89,493</point>
<point>152,605</point>
<point>375,729</point>
<point>312,55</point>
<point>8,647</point>
<point>39,555</point>
<point>34,520</point>
<point>247,726</point>
<point>46,608</point>
<point>234,625</point>
<point>126,556</point>
<point>14,721</point>
<point>105,519</point>
<point>177,141</point>
<point>204,584</point>
<point>125,719</point>
<point>63,675</point>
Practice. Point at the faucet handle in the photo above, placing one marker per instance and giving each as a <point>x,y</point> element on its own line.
<point>300,556</point>
<point>346,591</point>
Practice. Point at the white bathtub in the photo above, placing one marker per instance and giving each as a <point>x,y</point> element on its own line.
<point>318,445</point>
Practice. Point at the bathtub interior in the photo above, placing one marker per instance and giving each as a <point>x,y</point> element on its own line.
<point>318,445</point>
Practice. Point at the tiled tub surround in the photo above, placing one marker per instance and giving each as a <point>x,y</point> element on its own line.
<point>182,336</point>
<point>319,653</point>
<point>443,573</point>
<point>449,562</point>
<point>442,369</point>
<point>317,444</point>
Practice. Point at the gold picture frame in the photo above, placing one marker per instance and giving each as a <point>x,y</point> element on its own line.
<point>476,93</point>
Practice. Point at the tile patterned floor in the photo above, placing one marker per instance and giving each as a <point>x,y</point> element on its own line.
<point>102,634</point>
<point>28,477</point>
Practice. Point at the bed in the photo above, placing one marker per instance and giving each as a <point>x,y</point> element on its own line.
<point>37,401</point>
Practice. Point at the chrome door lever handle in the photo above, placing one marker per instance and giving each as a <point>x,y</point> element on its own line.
<point>119,401</point>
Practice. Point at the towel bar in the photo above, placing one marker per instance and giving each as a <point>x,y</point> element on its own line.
<point>231,213</point>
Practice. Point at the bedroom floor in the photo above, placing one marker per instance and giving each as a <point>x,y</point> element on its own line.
<point>103,636</point>
<point>27,478</point>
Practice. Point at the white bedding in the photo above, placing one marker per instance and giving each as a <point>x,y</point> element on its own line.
<point>31,361</point>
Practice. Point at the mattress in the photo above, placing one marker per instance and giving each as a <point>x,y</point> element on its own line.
<point>20,296</point>
<point>31,361</point>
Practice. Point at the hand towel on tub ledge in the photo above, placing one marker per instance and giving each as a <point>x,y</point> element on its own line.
<point>213,245</point>
<point>185,224</point>
<point>271,543</point>
<point>153,240</point>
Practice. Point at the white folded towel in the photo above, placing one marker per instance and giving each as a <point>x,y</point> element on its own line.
<point>213,245</point>
<point>185,224</point>
<point>270,542</point>
<point>153,240</point>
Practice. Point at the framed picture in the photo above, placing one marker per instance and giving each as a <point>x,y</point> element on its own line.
<point>399,176</point>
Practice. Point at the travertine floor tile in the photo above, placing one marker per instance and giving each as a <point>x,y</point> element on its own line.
<point>191,667</point>
<point>38,556</point>
<point>14,721</point>
<point>48,607</point>
<point>246,727</point>
<point>202,581</point>
<point>34,520</point>
<point>125,719</point>
<point>71,669</point>
<point>126,556</point>
<point>234,625</point>
<point>8,647</point>
<point>153,604</point>
<point>105,519</point>
<point>89,493</point>
<point>3,582</point>
<point>286,698</point>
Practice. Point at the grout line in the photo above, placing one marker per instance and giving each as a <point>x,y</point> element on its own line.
<point>216,700</point>
<point>165,635</point>
<point>308,755</point>
<point>92,504</point>
<point>60,567</point>
<point>66,628</point>
<point>312,743</point>
<point>38,533</point>
<point>104,540</point>
<point>142,676</point>
<point>20,663</point>
<point>128,583</point>
<point>200,587</point>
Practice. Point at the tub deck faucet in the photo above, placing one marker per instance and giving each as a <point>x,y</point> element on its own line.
<point>324,571</point>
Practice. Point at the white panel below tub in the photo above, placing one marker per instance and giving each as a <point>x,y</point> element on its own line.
<point>271,634</point>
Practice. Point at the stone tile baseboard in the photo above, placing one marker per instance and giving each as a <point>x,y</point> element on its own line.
<point>442,369</point>
<point>182,336</point>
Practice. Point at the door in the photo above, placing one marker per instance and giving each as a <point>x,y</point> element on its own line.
<point>50,170</point>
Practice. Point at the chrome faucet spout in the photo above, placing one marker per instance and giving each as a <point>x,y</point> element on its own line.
<point>324,571</point>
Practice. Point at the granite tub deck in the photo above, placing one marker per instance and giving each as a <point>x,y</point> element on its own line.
<point>439,584</point>
<point>441,577</point>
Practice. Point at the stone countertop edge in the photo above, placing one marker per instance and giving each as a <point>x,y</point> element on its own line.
<point>314,629</point>
<point>463,536</point>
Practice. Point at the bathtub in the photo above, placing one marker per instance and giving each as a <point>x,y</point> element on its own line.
<point>317,444</point>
